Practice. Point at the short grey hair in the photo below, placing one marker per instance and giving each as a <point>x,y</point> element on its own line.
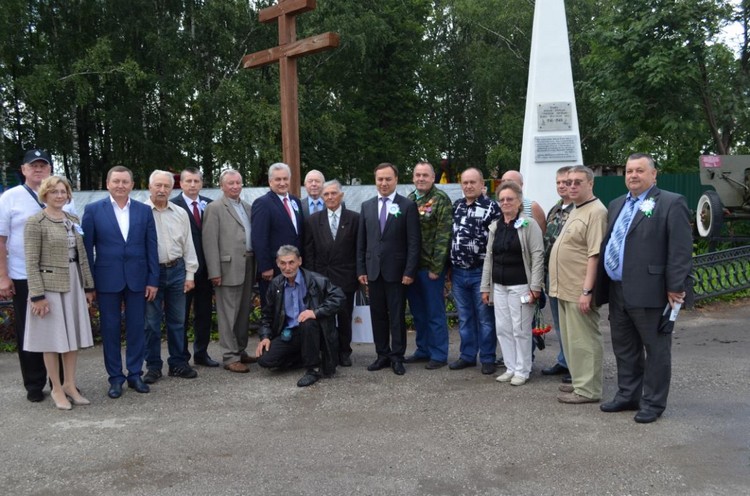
<point>227,173</point>
<point>286,250</point>
<point>332,182</point>
<point>158,172</point>
<point>424,162</point>
<point>314,171</point>
<point>279,166</point>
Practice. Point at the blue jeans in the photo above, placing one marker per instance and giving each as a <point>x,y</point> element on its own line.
<point>556,323</point>
<point>427,305</point>
<point>476,321</point>
<point>170,304</point>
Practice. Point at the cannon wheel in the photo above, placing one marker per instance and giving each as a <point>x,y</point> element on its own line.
<point>709,215</point>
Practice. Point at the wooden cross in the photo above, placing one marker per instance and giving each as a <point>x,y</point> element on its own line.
<point>286,54</point>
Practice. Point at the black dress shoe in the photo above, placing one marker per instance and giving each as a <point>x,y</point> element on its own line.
<point>206,361</point>
<point>310,378</point>
<point>378,364</point>
<point>434,364</point>
<point>115,391</point>
<point>567,379</point>
<point>345,360</point>
<point>556,369</point>
<point>35,396</point>
<point>138,385</point>
<point>416,359</point>
<point>461,364</point>
<point>185,371</point>
<point>489,368</point>
<point>646,417</point>
<point>617,406</point>
<point>151,376</point>
<point>398,368</point>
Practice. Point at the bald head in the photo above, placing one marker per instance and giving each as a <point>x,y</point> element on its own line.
<point>514,176</point>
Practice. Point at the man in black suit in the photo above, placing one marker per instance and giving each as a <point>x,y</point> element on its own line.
<point>331,250</point>
<point>276,220</point>
<point>643,272</point>
<point>388,245</point>
<point>191,182</point>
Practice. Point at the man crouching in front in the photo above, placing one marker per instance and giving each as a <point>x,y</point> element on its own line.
<point>298,324</point>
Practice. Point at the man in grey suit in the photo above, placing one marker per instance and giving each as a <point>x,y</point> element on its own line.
<point>231,268</point>
<point>642,274</point>
<point>388,246</point>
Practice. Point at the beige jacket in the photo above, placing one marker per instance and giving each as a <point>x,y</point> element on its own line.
<point>532,251</point>
<point>47,261</point>
<point>224,242</point>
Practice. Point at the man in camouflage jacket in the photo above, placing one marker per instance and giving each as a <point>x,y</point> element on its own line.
<point>426,295</point>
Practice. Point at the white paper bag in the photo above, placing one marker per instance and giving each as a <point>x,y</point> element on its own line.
<point>361,320</point>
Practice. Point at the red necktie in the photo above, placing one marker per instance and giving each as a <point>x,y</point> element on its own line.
<point>288,210</point>
<point>197,214</point>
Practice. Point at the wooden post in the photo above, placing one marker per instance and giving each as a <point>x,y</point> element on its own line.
<point>286,54</point>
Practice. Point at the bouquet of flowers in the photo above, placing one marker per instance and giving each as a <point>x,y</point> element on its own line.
<point>538,328</point>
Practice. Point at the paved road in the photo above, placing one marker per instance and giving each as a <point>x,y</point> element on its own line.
<point>426,433</point>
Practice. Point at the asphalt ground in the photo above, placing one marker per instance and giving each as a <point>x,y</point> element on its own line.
<point>436,432</point>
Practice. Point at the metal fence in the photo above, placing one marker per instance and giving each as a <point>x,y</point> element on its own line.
<point>721,272</point>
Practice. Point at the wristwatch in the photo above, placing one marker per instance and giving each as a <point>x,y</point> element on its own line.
<point>586,292</point>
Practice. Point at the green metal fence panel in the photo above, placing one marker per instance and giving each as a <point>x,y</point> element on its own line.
<point>607,188</point>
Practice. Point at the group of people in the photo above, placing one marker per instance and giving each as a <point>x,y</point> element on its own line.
<point>310,256</point>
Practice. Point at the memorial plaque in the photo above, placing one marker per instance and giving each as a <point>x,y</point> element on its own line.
<point>559,148</point>
<point>555,116</point>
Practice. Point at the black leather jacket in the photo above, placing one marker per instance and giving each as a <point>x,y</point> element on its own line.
<point>322,297</point>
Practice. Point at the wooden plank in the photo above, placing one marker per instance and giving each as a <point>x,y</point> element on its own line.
<point>307,46</point>
<point>286,7</point>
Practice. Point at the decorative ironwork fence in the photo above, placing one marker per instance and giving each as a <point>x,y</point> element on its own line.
<point>721,272</point>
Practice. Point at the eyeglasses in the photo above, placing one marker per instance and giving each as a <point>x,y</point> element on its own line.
<point>507,199</point>
<point>576,182</point>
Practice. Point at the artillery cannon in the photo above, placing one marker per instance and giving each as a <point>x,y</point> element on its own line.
<point>729,175</point>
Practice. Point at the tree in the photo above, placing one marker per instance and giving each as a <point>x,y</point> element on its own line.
<point>660,80</point>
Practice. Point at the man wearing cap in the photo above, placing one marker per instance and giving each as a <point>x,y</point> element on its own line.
<point>16,206</point>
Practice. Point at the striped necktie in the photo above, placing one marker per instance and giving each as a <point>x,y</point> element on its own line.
<point>617,242</point>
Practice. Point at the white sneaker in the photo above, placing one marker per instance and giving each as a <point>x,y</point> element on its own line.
<point>518,380</point>
<point>506,377</point>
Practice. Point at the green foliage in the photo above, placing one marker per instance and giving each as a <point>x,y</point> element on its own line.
<point>159,84</point>
<point>659,80</point>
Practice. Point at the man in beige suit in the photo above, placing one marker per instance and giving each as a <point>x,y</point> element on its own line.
<point>231,268</point>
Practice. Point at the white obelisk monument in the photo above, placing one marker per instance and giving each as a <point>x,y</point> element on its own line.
<point>550,129</point>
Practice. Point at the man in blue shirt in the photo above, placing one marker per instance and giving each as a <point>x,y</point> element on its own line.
<point>314,187</point>
<point>298,321</point>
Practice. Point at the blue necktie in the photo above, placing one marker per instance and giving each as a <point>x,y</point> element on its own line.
<point>618,237</point>
<point>383,214</point>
